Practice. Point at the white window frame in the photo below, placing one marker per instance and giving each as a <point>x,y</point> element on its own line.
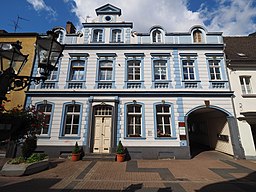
<point>133,66</point>
<point>80,70</point>
<point>106,69</point>
<point>116,35</point>
<point>97,35</point>
<point>157,36</point>
<point>54,74</point>
<point>246,88</point>
<point>216,69</point>
<point>197,36</point>
<point>160,64</point>
<point>163,124</point>
<point>134,115</point>
<point>73,113</point>
<point>186,69</point>
<point>48,116</point>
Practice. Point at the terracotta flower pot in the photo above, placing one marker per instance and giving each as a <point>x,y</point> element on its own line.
<point>75,157</point>
<point>120,157</point>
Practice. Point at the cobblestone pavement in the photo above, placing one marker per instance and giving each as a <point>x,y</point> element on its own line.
<point>208,172</point>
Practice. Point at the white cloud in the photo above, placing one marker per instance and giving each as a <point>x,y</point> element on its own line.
<point>230,16</point>
<point>172,15</point>
<point>39,5</point>
<point>233,17</point>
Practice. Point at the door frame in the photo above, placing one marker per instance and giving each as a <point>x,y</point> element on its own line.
<point>102,117</point>
<point>93,104</point>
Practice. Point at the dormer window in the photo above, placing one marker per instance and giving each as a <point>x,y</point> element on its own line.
<point>60,34</point>
<point>116,35</point>
<point>98,35</point>
<point>60,38</point>
<point>197,36</point>
<point>157,36</point>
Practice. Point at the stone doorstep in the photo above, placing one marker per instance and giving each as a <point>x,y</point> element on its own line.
<point>99,157</point>
<point>14,170</point>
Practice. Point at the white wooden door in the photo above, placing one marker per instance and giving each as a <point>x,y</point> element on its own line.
<point>102,134</point>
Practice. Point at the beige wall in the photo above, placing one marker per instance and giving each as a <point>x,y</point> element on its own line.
<point>244,103</point>
<point>18,97</point>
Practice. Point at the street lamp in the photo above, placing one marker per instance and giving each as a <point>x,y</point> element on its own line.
<point>48,52</point>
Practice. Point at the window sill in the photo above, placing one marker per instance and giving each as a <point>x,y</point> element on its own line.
<point>192,81</point>
<point>219,81</point>
<point>74,81</point>
<point>116,42</point>
<point>165,138</point>
<point>51,81</point>
<point>135,137</point>
<point>105,81</point>
<point>134,81</point>
<point>97,42</point>
<point>44,137</point>
<point>69,137</point>
<point>251,95</point>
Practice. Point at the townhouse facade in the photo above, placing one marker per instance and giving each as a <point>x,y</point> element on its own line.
<point>162,94</point>
<point>241,66</point>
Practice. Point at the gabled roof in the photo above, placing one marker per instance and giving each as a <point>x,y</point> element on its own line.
<point>108,9</point>
<point>240,49</point>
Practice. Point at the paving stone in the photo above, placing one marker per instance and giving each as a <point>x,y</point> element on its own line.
<point>204,174</point>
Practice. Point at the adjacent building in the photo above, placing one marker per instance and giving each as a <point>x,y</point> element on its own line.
<point>28,40</point>
<point>162,94</point>
<point>241,63</point>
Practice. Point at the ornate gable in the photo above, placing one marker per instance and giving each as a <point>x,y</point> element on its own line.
<point>108,9</point>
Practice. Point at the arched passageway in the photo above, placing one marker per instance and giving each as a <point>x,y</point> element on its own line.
<point>208,129</point>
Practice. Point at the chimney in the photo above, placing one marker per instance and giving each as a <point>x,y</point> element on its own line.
<point>70,28</point>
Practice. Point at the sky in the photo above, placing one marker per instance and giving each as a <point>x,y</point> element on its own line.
<point>232,17</point>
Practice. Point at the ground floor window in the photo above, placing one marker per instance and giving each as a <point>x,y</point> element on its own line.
<point>46,109</point>
<point>72,119</point>
<point>163,120</point>
<point>134,120</point>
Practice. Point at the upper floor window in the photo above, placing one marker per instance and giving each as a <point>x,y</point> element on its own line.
<point>245,82</point>
<point>116,35</point>
<point>163,120</point>
<point>197,36</point>
<point>214,67</point>
<point>188,69</point>
<point>77,70</point>
<point>157,36</point>
<point>134,70</point>
<point>98,35</point>
<point>71,119</point>
<point>134,120</point>
<point>160,70</point>
<point>47,110</point>
<point>105,70</point>
<point>53,75</point>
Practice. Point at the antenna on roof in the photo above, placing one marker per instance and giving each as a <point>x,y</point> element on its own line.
<point>16,23</point>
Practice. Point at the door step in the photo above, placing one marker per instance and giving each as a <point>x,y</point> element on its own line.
<point>99,157</point>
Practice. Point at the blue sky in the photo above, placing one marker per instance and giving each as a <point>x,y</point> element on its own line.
<point>232,17</point>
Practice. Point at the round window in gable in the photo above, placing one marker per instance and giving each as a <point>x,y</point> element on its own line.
<point>108,18</point>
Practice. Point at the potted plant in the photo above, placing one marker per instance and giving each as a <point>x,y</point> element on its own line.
<point>75,153</point>
<point>120,152</point>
